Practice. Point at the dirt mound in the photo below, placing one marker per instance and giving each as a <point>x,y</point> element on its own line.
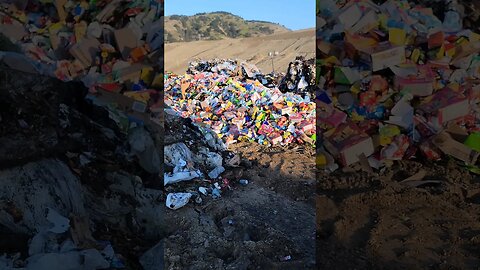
<point>374,222</point>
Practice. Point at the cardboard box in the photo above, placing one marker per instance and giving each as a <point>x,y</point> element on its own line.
<point>306,126</point>
<point>108,11</point>
<point>455,149</point>
<point>85,51</point>
<point>436,40</point>
<point>323,46</point>
<point>138,54</point>
<point>14,31</point>
<point>126,41</point>
<point>465,50</point>
<point>383,56</point>
<point>350,16</point>
<point>275,138</point>
<point>397,36</point>
<point>131,73</point>
<point>445,105</point>
<point>420,84</point>
<point>62,14</point>
<point>347,142</point>
<point>366,23</point>
<point>286,111</point>
<point>346,75</point>
<point>335,119</point>
<point>295,118</point>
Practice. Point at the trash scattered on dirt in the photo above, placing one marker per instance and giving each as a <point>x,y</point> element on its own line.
<point>228,215</point>
<point>243,182</point>
<point>285,258</point>
<point>194,163</point>
<point>397,82</point>
<point>177,200</point>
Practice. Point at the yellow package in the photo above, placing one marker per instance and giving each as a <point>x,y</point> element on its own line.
<point>397,36</point>
<point>138,96</point>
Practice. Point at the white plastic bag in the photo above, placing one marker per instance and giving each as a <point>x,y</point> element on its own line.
<point>177,200</point>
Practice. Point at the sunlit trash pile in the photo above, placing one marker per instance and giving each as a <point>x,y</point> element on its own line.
<point>300,77</point>
<point>232,68</point>
<point>99,42</point>
<point>241,109</point>
<point>397,83</point>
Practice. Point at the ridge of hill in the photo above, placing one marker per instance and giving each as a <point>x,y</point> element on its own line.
<point>216,26</point>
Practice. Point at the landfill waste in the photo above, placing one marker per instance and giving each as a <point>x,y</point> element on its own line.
<point>69,40</point>
<point>177,200</point>
<point>144,148</point>
<point>73,187</point>
<point>300,77</point>
<point>243,182</point>
<point>221,214</point>
<point>285,258</point>
<point>228,67</point>
<point>113,47</point>
<point>397,81</point>
<point>194,163</point>
<point>240,108</point>
<point>60,223</point>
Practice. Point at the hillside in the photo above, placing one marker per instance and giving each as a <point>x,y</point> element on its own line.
<point>215,26</point>
<point>255,50</point>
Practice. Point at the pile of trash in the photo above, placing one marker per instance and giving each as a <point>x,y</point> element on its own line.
<point>76,190</point>
<point>227,67</point>
<point>300,77</point>
<point>195,161</point>
<point>240,108</point>
<point>396,83</point>
<point>233,68</point>
<point>113,45</point>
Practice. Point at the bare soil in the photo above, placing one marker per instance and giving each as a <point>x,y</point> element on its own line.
<point>371,221</point>
<point>254,50</point>
<point>254,226</point>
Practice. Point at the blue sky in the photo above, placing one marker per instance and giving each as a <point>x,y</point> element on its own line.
<point>295,15</point>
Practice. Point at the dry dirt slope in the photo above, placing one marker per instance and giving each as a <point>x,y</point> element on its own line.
<point>255,50</point>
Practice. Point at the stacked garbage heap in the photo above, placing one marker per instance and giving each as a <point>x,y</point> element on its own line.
<point>300,77</point>
<point>98,42</point>
<point>113,47</point>
<point>397,83</point>
<point>77,191</point>
<point>228,97</point>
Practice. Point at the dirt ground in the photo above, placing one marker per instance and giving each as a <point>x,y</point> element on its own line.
<point>371,221</point>
<point>254,50</point>
<point>254,226</point>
